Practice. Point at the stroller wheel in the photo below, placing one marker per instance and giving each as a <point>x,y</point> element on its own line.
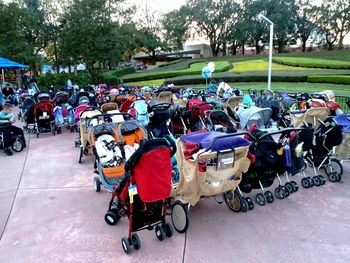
<point>86,151</point>
<point>316,180</point>
<point>250,203</point>
<point>311,181</point>
<point>179,217</point>
<point>159,232</point>
<point>168,229</point>
<point>81,152</point>
<point>279,193</point>
<point>333,177</point>
<point>135,240</point>
<point>289,186</point>
<point>305,182</point>
<point>322,179</point>
<point>285,191</point>
<point>126,245</point>
<point>233,200</point>
<point>245,205</point>
<point>269,197</point>
<point>260,199</point>
<point>295,186</point>
<point>334,166</point>
<point>97,184</point>
<point>18,145</point>
<point>112,216</point>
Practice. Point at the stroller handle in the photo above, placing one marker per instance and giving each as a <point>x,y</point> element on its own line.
<point>213,141</point>
<point>288,130</point>
<point>109,115</point>
<point>89,109</point>
<point>163,104</point>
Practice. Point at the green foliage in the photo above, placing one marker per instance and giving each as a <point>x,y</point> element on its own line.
<point>171,63</point>
<point>80,79</point>
<point>111,77</point>
<point>195,68</point>
<point>337,79</point>
<point>312,62</point>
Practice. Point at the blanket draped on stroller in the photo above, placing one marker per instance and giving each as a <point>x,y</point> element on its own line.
<point>195,181</point>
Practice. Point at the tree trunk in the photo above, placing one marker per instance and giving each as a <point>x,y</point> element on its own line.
<point>34,69</point>
<point>341,40</point>
<point>303,45</point>
<point>224,48</point>
<point>154,58</point>
<point>213,49</point>
<point>243,48</point>
<point>280,47</point>
<point>234,50</point>
<point>57,66</point>
<point>69,69</point>
<point>257,47</point>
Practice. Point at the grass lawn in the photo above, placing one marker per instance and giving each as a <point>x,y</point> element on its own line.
<point>195,68</point>
<point>257,65</point>
<point>155,82</point>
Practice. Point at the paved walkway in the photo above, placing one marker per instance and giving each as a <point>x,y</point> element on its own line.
<point>49,212</point>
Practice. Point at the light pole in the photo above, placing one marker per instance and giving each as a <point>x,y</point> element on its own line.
<point>261,17</point>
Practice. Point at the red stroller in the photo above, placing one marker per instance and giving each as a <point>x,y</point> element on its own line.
<point>43,112</point>
<point>144,193</point>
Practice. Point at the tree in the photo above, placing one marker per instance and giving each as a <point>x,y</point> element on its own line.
<point>304,22</point>
<point>88,34</point>
<point>212,18</point>
<point>176,28</point>
<point>334,21</point>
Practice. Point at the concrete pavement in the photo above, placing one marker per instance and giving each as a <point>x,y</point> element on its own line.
<point>57,217</point>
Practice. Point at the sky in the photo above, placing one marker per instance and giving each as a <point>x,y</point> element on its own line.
<point>159,5</point>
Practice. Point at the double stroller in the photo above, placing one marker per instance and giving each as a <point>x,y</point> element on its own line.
<point>112,145</point>
<point>143,194</point>
<point>210,164</point>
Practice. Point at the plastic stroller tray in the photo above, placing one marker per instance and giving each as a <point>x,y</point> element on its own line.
<point>203,139</point>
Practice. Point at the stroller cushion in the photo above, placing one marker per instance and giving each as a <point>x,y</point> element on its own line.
<point>103,152</point>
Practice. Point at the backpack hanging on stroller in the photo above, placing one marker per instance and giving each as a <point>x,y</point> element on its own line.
<point>144,193</point>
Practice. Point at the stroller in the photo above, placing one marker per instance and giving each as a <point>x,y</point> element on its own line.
<point>210,163</point>
<point>144,193</point>
<point>112,144</point>
<point>16,141</point>
<point>217,120</point>
<point>83,141</point>
<point>198,108</point>
<point>140,110</point>
<point>44,115</point>
<point>311,115</point>
<point>27,115</point>
<point>270,159</point>
<point>319,153</point>
<point>255,116</point>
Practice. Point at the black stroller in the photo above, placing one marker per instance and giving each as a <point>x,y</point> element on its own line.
<point>319,153</point>
<point>27,115</point>
<point>144,193</point>
<point>17,141</point>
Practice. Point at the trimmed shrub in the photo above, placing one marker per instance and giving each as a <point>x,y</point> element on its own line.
<point>341,79</point>
<point>195,68</point>
<point>81,79</point>
<point>172,63</point>
<point>112,77</point>
<point>312,62</point>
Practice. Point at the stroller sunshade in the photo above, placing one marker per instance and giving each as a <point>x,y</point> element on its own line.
<point>203,140</point>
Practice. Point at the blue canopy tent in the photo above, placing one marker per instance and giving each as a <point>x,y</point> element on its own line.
<point>8,64</point>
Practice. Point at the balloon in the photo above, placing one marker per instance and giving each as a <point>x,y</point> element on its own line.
<point>206,72</point>
<point>211,65</point>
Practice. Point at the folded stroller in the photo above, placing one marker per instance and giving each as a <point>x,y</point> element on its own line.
<point>112,145</point>
<point>27,115</point>
<point>319,153</point>
<point>83,141</point>
<point>210,164</point>
<point>143,194</point>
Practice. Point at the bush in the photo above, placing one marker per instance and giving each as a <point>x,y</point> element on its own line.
<point>312,62</point>
<point>189,80</point>
<point>195,68</point>
<point>341,79</point>
<point>112,77</point>
<point>81,79</point>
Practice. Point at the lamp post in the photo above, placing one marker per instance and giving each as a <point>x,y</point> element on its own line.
<point>261,17</point>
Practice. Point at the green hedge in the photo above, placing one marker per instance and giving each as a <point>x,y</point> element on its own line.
<point>195,68</point>
<point>189,80</point>
<point>330,79</point>
<point>172,63</point>
<point>312,62</point>
<point>112,77</point>
<point>80,79</point>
